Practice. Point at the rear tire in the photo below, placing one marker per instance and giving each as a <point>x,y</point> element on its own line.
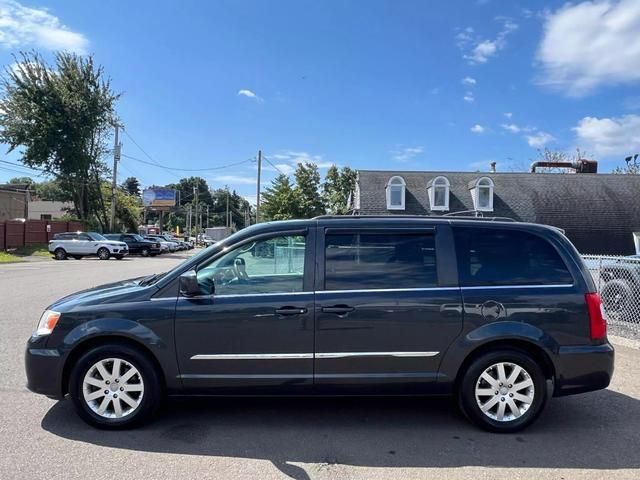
<point>103,254</point>
<point>503,391</point>
<point>96,398</point>
<point>60,254</point>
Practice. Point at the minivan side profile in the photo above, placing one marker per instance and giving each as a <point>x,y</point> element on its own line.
<point>500,315</point>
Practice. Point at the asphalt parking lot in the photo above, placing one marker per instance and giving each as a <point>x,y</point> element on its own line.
<point>591,436</point>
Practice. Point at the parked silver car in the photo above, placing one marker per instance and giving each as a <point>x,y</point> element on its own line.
<point>84,244</point>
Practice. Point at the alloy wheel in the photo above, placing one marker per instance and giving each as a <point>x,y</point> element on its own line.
<point>113,388</point>
<point>504,391</point>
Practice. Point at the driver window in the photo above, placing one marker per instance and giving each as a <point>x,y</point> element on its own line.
<point>274,265</point>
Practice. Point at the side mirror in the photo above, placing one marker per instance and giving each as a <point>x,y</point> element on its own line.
<point>189,284</point>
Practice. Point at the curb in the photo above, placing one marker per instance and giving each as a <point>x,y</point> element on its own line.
<point>624,342</point>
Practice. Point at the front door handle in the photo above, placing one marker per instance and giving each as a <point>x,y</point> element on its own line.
<point>338,309</point>
<point>291,311</point>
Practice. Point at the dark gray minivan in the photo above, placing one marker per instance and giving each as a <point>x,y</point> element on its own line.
<point>501,315</point>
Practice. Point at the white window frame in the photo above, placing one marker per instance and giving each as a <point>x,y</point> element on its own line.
<point>396,181</point>
<point>482,183</point>
<point>439,182</point>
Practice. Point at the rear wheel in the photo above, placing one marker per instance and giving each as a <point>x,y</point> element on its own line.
<point>60,254</point>
<point>103,254</point>
<point>115,387</point>
<point>503,391</point>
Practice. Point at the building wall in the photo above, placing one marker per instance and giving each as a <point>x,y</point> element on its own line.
<point>38,208</point>
<point>12,205</point>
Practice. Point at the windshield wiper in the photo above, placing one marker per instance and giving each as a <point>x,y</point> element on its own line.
<point>150,280</point>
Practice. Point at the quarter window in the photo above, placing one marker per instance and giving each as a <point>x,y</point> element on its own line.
<point>379,261</point>
<point>489,257</point>
<point>274,265</point>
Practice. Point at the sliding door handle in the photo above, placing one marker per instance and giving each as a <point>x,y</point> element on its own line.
<point>291,311</point>
<point>338,309</point>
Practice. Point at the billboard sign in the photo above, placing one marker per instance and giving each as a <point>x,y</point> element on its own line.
<point>159,197</point>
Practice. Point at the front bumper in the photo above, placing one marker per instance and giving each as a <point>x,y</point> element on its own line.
<point>583,368</point>
<point>44,368</point>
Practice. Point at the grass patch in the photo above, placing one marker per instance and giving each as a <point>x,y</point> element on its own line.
<point>32,250</point>
<point>9,258</point>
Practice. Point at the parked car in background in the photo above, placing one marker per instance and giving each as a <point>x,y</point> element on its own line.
<point>136,243</point>
<point>336,306</point>
<point>620,287</point>
<point>164,245</point>
<point>84,244</point>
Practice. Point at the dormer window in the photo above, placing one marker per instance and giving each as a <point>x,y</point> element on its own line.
<point>395,193</point>
<point>482,194</point>
<point>438,193</point>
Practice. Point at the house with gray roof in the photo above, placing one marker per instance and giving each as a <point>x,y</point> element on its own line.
<point>600,213</point>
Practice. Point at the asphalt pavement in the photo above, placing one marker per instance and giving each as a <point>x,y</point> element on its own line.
<point>589,436</point>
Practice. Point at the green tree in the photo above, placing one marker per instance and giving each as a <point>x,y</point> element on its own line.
<point>308,200</point>
<point>128,209</point>
<point>278,200</point>
<point>62,117</point>
<point>337,186</point>
<point>132,186</point>
<point>22,181</point>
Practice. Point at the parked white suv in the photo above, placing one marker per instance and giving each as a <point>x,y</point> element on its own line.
<point>84,244</point>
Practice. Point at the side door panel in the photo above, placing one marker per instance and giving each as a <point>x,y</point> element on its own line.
<point>385,339</point>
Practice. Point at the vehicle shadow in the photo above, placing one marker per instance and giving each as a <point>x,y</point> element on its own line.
<point>600,430</point>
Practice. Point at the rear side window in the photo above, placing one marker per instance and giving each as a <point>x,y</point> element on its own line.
<point>378,261</point>
<point>488,256</point>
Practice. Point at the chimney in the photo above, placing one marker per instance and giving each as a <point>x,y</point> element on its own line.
<point>493,167</point>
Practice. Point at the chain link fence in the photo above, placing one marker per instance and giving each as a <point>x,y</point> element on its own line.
<point>618,282</point>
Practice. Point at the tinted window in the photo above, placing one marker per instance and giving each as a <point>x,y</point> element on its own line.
<point>274,265</point>
<point>84,236</point>
<point>95,236</point>
<point>374,261</point>
<point>488,256</point>
<point>64,236</point>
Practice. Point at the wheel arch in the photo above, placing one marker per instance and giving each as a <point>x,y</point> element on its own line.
<point>96,341</point>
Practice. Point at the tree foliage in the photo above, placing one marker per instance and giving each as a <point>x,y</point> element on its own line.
<point>631,167</point>
<point>308,199</point>
<point>338,185</point>
<point>61,117</point>
<point>278,200</point>
<point>132,186</point>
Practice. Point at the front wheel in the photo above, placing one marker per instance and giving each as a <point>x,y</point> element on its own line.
<point>103,254</point>
<point>144,252</point>
<point>115,387</point>
<point>503,391</point>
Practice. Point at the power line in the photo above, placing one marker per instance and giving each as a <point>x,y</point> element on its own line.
<point>188,169</point>
<point>269,162</point>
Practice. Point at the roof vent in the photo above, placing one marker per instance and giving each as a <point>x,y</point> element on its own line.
<point>580,166</point>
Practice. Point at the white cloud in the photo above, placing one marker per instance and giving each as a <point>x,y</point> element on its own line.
<point>478,50</point>
<point>407,153</point>
<point>234,179</point>
<point>512,127</point>
<point>293,158</point>
<point>539,139</point>
<point>468,97</point>
<point>22,26</point>
<point>477,128</point>
<point>249,94</point>
<point>468,81</point>
<point>508,114</point>
<point>609,136</point>
<point>591,44</point>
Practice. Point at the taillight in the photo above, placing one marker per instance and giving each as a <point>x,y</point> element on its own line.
<point>597,321</point>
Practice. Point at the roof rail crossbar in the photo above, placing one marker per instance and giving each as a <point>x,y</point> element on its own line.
<point>443,217</point>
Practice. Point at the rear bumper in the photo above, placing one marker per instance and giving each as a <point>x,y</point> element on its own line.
<point>44,369</point>
<point>583,368</point>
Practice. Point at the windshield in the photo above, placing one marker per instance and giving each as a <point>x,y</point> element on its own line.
<point>138,238</point>
<point>96,236</point>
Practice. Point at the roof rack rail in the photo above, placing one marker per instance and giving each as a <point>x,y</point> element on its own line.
<point>442,217</point>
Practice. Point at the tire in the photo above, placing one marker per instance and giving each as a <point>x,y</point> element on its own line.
<point>144,252</point>
<point>142,400</point>
<point>103,253</point>
<point>475,391</point>
<point>77,257</point>
<point>617,298</point>
<point>60,254</point>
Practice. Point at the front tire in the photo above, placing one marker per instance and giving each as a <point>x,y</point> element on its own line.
<point>503,391</point>
<point>115,387</point>
<point>103,254</point>
<point>144,252</point>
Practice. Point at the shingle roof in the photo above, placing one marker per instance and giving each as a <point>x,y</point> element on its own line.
<point>599,212</point>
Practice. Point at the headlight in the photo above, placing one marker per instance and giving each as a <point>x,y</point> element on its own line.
<point>47,323</point>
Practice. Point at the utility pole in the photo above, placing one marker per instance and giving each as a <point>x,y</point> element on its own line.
<point>195,194</point>
<point>116,157</point>
<point>189,222</point>
<point>227,219</point>
<point>207,216</point>
<point>258,187</point>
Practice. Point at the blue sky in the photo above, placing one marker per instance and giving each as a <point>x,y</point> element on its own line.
<point>396,84</point>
